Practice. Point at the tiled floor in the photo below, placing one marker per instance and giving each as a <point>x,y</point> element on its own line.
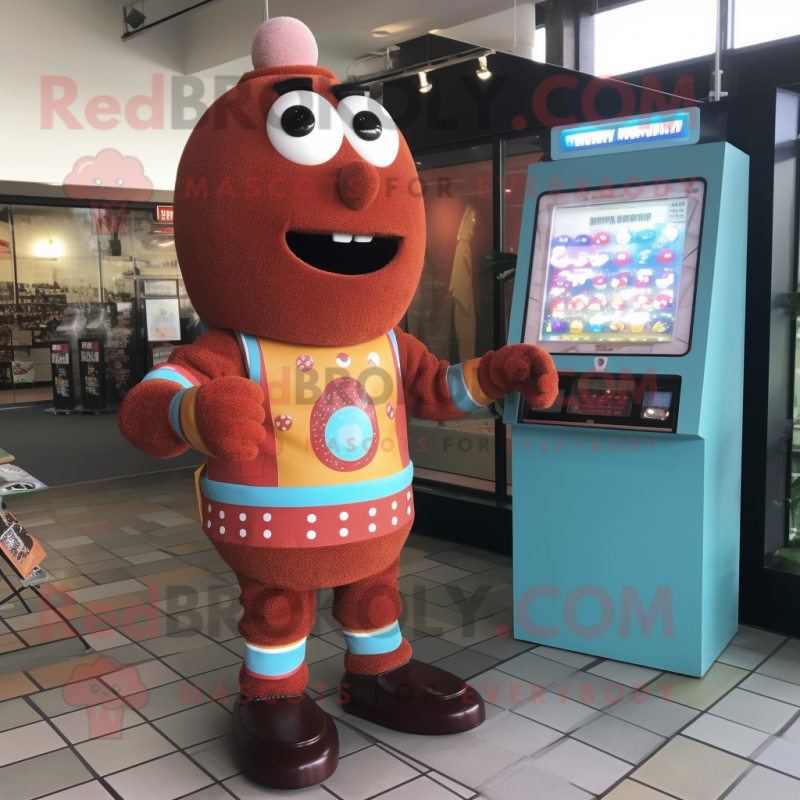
<point>136,575</point>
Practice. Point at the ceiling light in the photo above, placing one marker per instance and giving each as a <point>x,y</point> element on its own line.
<point>483,71</point>
<point>424,85</point>
<point>48,248</point>
<point>381,34</point>
<point>133,17</point>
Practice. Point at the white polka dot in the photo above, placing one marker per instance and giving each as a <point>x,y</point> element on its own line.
<point>312,534</point>
<point>343,531</point>
<point>372,528</point>
<point>209,509</point>
<point>374,360</point>
<point>343,516</point>
<point>267,517</point>
<point>312,517</point>
<point>394,505</point>
<point>394,520</point>
<point>408,511</point>
<point>242,517</point>
<point>373,512</point>
<point>243,533</point>
<point>267,534</point>
<point>222,529</point>
<point>408,495</point>
<point>222,515</point>
<point>209,524</point>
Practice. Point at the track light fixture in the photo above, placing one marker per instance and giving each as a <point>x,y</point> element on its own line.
<point>483,68</point>
<point>424,85</point>
<point>133,17</point>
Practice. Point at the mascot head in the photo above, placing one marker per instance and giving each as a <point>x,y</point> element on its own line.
<point>298,211</point>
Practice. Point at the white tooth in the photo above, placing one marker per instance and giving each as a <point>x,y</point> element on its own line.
<point>363,238</point>
<point>342,237</point>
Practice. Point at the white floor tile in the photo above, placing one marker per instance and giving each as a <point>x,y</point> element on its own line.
<point>626,674</point>
<point>132,680</point>
<point>772,687</point>
<point>86,791</point>
<point>756,639</point>
<point>764,783</point>
<point>422,788</point>
<point>94,722</point>
<point>594,691</point>
<point>535,669</point>
<point>574,660</point>
<point>760,713</point>
<point>517,734</point>
<point>782,755</point>
<point>245,789</point>
<point>557,712</point>
<point>784,669</point>
<point>742,657</point>
<point>619,738</point>
<point>28,741</point>
<point>726,735</point>
<point>217,757</point>
<point>368,772</point>
<point>793,732</point>
<point>583,765</point>
<point>501,689</point>
<point>531,783</point>
<point>164,779</point>
<point>654,714</point>
<point>133,746</point>
<point>457,788</point>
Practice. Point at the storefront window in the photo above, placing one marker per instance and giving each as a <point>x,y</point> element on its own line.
<point>71,274</point>
<point>756,21</point>
<point>452,309</point>
<point>57,277</point>
<point>654,32</point>
<point>6,306</point>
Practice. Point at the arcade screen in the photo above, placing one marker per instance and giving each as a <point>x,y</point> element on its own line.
<point>614,268</point>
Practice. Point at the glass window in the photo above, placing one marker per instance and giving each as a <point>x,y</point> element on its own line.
<point>452,309</point>
<point>654,32</point>
<point>540,44</point>
<point>58,276</point>
<point>7,317</point>
<point>756,21</point>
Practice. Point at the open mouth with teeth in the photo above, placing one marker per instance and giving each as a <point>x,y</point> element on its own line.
<point>343,253</point>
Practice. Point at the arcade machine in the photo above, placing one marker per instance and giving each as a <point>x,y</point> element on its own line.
<point>631,273</point>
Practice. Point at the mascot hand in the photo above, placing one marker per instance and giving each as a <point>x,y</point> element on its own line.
<point>230,416</point>
<point>520,368</point>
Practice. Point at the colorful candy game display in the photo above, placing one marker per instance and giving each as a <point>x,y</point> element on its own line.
<point>614,271</point>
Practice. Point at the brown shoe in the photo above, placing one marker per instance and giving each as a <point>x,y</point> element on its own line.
<point>414,698</point>
<point>285,743</point>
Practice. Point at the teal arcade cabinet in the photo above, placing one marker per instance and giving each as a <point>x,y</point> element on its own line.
<point>626,492</point>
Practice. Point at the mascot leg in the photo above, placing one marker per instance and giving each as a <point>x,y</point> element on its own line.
<point>283,739</point>
<point>383,684</point>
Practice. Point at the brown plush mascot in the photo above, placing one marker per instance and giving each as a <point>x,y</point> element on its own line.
<point>301,233</point>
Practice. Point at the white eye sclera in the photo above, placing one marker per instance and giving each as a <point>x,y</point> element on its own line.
<point>370,129</point>
<point>305,128</point>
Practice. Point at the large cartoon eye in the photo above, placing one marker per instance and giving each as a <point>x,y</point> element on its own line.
<point>305,128</point>
<point>370,129</point>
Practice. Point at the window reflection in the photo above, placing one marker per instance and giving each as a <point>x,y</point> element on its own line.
<point>451,312</point>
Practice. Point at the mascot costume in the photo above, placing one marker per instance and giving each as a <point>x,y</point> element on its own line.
<point>300,229</point>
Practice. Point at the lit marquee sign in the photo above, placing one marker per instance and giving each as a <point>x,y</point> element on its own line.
<point>627,133</point>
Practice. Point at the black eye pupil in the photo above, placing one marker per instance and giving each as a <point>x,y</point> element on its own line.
<point>298,121</point>
<point>367,125</point>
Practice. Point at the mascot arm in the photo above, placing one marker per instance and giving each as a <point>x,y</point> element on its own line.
<point>440,391</point>
<point>200,398</point>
